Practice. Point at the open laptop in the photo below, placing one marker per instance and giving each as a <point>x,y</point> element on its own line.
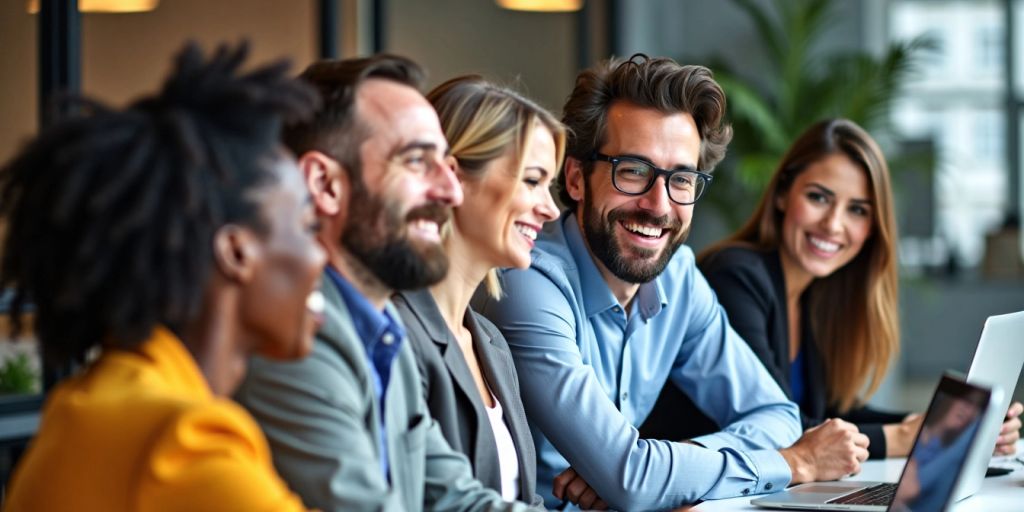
<point>947,436</point>
<point>997,364</point>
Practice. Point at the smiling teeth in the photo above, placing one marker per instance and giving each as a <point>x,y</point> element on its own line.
<point>644,230</point>
<point>823,245</point>
<point>527,231</point>
<point>426,225</point>
<point>315,302</point>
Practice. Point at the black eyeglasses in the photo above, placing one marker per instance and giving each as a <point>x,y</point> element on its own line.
<point>635,176</point>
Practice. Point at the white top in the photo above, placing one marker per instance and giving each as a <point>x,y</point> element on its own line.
<point>507,459</point>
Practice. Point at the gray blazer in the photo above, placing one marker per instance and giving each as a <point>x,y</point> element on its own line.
<point>452,395</point>
<point>321,414</point>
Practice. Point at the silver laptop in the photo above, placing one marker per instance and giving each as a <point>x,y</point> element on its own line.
<point>997,364</point>
<point>948,434</point>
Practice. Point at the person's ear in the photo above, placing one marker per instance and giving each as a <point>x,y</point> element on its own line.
<point>780,201</point>
<point>574,181</point>
<point>326,181</point>
<point>235,251</point>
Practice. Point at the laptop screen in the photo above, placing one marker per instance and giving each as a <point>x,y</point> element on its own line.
<point>941,448</point>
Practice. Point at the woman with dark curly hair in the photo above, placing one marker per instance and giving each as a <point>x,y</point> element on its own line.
<point>161,245</point>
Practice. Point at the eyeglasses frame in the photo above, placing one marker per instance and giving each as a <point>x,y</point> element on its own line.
<point>658,171</point>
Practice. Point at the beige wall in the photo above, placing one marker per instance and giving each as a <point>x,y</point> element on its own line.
<point>125,55</point>
<point>18,76</point>
<point>453,37</point>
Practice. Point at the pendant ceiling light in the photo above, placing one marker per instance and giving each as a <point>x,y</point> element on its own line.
<point>106,5</point>
<point>542,5</point>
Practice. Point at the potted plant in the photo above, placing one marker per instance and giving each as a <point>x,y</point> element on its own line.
<point>803,86</point>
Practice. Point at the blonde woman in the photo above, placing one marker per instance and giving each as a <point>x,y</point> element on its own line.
<point>810,282</point>
<point>507,150</point>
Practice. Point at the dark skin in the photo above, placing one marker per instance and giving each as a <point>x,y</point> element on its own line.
<point>245,309</point>
<point>216,339</point>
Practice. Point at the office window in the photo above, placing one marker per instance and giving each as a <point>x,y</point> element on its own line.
<point>989,137</point>
<point>934,62</point>
<point>988,49</point>
<point>958,101</point>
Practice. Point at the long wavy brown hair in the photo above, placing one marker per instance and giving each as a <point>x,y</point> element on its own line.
<point>854,310</point>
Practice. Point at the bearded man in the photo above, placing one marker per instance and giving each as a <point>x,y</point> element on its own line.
<point>613,307</point>
<point>348,426</point>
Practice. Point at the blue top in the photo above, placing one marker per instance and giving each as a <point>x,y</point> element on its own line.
<point>382,336</point>
<point>797,376</point>
<point>589,375</point>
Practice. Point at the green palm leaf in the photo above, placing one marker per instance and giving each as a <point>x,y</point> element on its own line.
<point>767,115</point>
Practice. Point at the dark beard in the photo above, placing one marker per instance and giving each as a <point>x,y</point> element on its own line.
<point>382,245</point>
<point>638,267</point>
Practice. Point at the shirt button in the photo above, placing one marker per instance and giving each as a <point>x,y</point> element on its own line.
<point>617,309</point>
<point>388,338</point>
<point>625,396</point>
<point>746,492</point>
<point>768,486</point>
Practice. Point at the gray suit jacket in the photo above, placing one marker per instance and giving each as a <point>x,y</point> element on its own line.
<point>453,398</point>
<point>321,417</point>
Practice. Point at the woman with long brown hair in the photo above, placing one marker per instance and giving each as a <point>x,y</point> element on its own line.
<point>810,282</point>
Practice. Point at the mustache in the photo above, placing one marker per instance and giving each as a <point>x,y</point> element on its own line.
<point>642,217</point>
<point>435,212</point>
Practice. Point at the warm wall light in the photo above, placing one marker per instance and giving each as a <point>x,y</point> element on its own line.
<point>106,5</point>
<point>542,5</point>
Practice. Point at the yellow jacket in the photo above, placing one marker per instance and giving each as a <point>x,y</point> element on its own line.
<point>141,431</point>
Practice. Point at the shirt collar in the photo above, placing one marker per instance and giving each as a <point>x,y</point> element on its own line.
<point>651,299</point>
<point>369,322</point>
<point>597,296</point>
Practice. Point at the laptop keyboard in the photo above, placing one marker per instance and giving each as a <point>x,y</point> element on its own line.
<point>880,494</point>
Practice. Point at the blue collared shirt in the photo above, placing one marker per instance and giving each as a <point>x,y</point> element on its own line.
<point>382,336</point>
<point>589,375</point>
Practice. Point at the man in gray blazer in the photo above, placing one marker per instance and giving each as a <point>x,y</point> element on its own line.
<point>348,426</point>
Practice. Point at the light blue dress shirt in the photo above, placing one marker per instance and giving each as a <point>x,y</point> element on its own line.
<point>589,375</point>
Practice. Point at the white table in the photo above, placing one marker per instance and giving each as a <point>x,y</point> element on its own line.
<point>1001,493</point>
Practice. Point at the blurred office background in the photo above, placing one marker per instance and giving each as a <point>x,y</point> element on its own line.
<point>938,82</point>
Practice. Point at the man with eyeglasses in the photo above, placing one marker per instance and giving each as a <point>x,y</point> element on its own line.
<point>613,307</point>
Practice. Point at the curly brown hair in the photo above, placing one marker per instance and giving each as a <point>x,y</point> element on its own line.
<point>660,83</point>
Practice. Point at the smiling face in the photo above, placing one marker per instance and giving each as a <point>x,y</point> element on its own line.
<point>634,237</point>
<point>827,217</point>
<point>281,303</point>
<point>506,207</point>
<point>407,189</point>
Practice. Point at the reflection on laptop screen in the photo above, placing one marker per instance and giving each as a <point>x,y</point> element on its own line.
<point>941,449</point>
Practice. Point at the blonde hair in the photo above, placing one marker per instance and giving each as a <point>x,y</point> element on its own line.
<point>853,311</point>
<point>483,122</point>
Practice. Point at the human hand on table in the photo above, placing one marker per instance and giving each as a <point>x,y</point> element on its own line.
<point>570,486</point>
<point>899,437</point>
<point>1009,434</point>
<point>828,451</point>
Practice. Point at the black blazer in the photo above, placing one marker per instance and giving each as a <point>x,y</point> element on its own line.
<point>752,290</point>
<point>452,395</point>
